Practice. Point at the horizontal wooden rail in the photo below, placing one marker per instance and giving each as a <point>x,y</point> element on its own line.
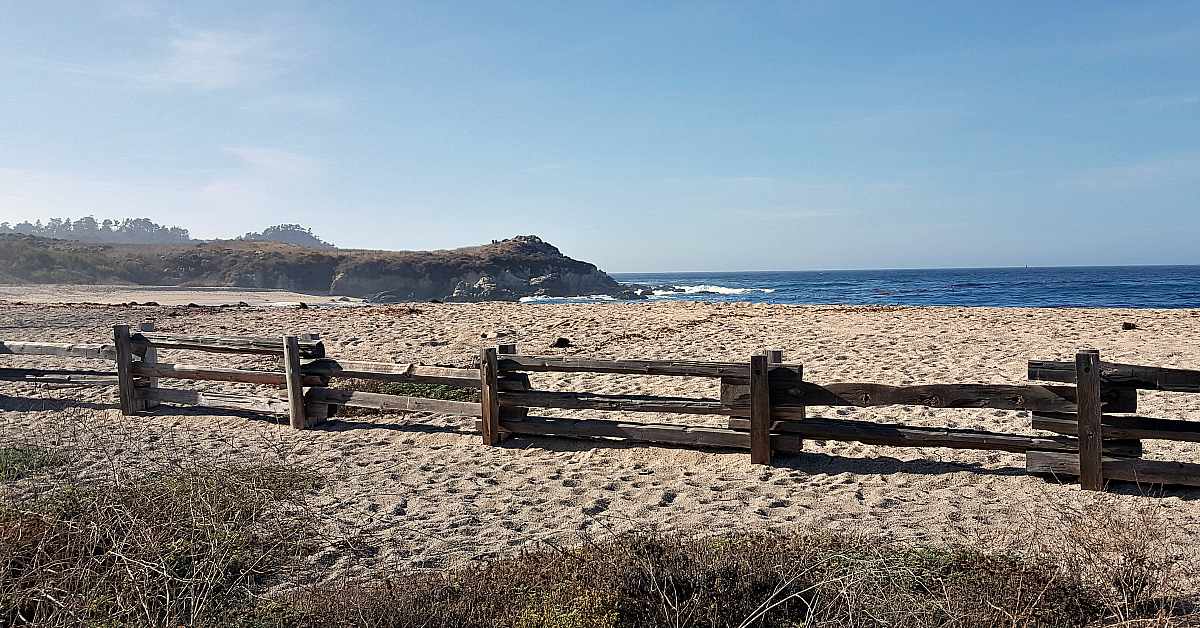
<point>219,344</point>
<point>269,405</point>
<point>908,436</point>
<point>787,403</point>
<point>647,432</point>
<point>45,376</point>
<point>206,373</point>
<point>396,403</point>
<point>403,373</point>
<point>568,364</point>
<point>621,403</point>
<point>994,396</point>
<point>1120,376</point>
<point>1129,470</point>
<point>64,349</point>
<point>1123,427</point>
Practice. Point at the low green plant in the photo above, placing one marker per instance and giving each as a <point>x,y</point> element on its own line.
<point>403,389</point>
<point>17,461</point>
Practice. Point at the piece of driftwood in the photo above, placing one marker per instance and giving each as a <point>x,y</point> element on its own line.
<point>647,432</point>
<point>1114,375</point>
<point>1134,427</point>
<point>1066,466</point>
<point>269,405</point>
<point>894,435</point>
<point>208,373</point>
<point>311,349</point>
<point>571,364</point>
<point>395,403</point>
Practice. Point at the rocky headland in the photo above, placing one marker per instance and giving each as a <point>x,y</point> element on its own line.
<point>504,270</point>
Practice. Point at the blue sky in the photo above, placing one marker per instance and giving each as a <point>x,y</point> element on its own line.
<point>641,136</point>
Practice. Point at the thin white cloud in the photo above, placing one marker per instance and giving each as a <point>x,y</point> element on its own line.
<point>213,60</point>
<point>267,181</point>
<point>202,60</point>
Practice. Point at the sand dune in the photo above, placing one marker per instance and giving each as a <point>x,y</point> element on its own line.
<point>421,491</point>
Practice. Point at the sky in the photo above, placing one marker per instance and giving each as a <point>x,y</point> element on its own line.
<point>640,136</point>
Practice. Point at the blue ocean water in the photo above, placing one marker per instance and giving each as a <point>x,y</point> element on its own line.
<point>1080,286</point>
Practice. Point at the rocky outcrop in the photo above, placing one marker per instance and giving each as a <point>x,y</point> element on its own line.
<point>506,270</point>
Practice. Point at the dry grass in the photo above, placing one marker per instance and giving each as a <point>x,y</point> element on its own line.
<point>777,580</point>
<point>161,550</point>
<point>197,548</point>
<point>1123,549</point>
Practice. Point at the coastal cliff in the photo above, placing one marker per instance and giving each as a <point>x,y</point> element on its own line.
<point>501,271</point>
<point>504,270</point>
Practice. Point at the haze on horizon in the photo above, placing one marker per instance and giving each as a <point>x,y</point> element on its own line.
<point>667,136</point>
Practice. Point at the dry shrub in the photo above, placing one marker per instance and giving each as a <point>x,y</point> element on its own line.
<point>750,580</point>
<point>1123,549</point>
<point>162,550</point>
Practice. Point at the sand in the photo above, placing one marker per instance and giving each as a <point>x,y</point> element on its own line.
<point>420,491</point>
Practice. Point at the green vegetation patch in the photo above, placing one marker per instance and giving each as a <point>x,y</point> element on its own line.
<point>427,391</point>
<point>17,461</point>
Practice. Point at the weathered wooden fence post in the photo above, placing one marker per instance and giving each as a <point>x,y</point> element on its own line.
<point>151,357</point>
<point>124,351</point>
<point>1087,390</point>
<point>775,356</point>
<point>511,381</point>
<point>315,412</point>
<point>295,389</point>
<point>760,410</point>
<point>489,400</point>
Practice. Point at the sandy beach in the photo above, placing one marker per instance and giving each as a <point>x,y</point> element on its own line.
<point>422,491</point>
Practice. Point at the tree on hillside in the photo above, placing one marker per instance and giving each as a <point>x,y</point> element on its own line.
<point>290,234</point>
<point>87,229</point>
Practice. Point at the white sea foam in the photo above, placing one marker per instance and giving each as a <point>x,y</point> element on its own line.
<point>704,288</point>
<point>594,297</point>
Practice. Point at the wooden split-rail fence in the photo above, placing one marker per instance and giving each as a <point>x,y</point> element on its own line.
<point>1089,406</point>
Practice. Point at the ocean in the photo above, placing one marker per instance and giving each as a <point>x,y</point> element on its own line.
<point>1077,287</point>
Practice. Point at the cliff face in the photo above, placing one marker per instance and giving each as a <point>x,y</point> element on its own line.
<point>502,271</point>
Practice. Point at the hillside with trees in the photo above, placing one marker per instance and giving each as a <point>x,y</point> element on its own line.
<point>88,229</point>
